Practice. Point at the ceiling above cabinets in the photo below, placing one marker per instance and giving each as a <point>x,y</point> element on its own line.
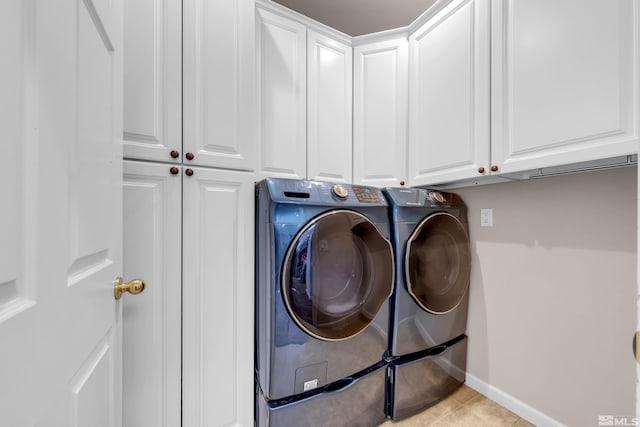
<point>358,17</point>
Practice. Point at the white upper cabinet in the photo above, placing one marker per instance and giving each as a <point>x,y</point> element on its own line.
<point>380,112</point>
<point>565,81</point>
<point>219,104</point>
<point>152,80</point>
<point>329,108</point>
<point>449,101</point>
<point>282,92</point>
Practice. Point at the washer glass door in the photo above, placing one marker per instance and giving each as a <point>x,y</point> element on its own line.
<point>337,274</point>
<point>438,263</point>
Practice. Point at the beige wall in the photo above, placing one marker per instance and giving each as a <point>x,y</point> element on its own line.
<point>553,293</point>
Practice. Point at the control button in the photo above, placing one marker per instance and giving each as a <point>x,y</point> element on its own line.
<point>339,191</point>
<point>437,196</point>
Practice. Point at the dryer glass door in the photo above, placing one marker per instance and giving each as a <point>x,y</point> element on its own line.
<point>438,263</point>
<point>337,273</point>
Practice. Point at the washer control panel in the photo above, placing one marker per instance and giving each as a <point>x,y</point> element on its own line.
<point>366,194</point>
<point>323,193</point>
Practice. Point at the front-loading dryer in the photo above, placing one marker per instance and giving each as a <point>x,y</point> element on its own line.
<point>430,301</point>
<point>324,275</point>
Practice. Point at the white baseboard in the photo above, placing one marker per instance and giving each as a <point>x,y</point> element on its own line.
<point>516,406</point>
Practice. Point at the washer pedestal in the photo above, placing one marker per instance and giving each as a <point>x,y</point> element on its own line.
<point>347,403</point>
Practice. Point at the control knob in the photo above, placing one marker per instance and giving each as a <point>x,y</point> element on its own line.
<point>339,191</point>
<point>437,196</point>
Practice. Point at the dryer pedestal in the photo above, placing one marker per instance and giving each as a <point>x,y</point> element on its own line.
<point>421,380</point>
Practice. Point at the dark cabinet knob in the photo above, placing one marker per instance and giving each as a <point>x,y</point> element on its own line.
<point>188,172</point>
<point>189,156</point>
<point>480,169</point>
<point>174,154</point>
<point>174,170</point>
<point>494,168</point>
<point>402,183</point>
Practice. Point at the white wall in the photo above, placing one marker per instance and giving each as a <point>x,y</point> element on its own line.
<point>553,293</point>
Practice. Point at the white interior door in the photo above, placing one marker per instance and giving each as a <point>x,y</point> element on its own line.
<point>61,216</point>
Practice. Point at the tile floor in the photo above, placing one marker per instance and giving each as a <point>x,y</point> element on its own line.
<point>464,408</point>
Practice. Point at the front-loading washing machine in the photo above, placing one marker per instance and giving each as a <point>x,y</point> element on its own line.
<point>429,304</point>
<point>324,275</point>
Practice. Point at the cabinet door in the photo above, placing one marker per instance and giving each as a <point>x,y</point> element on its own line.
<point>380,113</point>
<point>329,108</point>
<point>219,108</point>
<point>282,91</point>
<point>449,94</point>
<point>152,320</point>
<point>564,81</point>
<point>218,293</point>
<point>152,80</point>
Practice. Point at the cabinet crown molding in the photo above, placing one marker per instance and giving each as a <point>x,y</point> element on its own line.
<point>311,24</point>
<point>394,34</point>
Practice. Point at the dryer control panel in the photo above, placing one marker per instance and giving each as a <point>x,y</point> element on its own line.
<point>419,197</point>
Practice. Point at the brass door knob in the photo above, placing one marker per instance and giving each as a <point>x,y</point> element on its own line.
<point>494,168</point>
<point>134,287</point>
<point>480,169</point>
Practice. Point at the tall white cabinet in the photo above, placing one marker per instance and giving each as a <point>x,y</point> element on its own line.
<point>152,332</point>
<point>152,80</point>
<point>380,109</point>
<point>189,197</point>
<point>282,91</point>
<point>449,94</point>
<point>219,107</point>
<point>329,108</point>
<point>218,293</point>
